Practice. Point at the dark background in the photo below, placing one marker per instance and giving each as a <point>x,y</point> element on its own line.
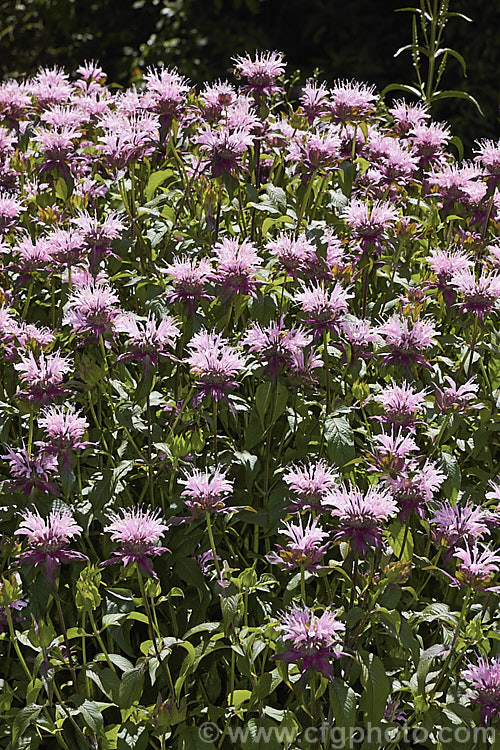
<point>350,39</point>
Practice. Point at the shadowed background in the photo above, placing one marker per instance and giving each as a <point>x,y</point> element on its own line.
<point>350,39</point>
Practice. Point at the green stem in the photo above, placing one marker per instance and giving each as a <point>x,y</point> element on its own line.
<point>65,636</point>
<point>212,545</point>
<point>152,633</point>
<point>28,300</point>
<point>101,642</point>
<point>326,336</point>
<point>443,672</point>
<point>303,584</point>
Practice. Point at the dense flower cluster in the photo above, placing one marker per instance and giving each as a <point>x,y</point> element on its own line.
<point>249,390</point>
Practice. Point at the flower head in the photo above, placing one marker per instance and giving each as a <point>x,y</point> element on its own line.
<point>458,399</point>
<point>401,404</point>
<point>206,491</point>
<point>189,279</point>
<point>138,532</point>
<point>224,148</point>
<point>351,101</point>
<point>310,484</point>
<point>260,72</point>
<point>324,309</point>
<point>93,309</point>
<point>30,471</point>
<point>237,265</point>
<point>64,429</point>
<point>48,539</point>
<point>215,364</point>
<point>315,640</point>
<point>370,225</point>
<point>406,340</point>
<point>276,344</point>
<point>147,340</point>
<point>484,678</point>
<point>42,376</point>
<point>456,524</point>
<point>361,516</point>
<point>477,564</point>
<point>414,487</point>
<point>479,296</point>
<point>303,546</point>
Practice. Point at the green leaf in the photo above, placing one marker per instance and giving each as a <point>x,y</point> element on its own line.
<point>343,705</point>
<point>263,396</point>
<point>340,440</point>
<point>376,687</point>
<point>24,718</point>
<point>424,665</point>
<point>277,196</point>
<point>456,141</point>
<point>458,95</point>
<point>91,715</point>
<point>155,180</point>
<point>402,87</point>
<point>131,686</point>
<point>396,536</point>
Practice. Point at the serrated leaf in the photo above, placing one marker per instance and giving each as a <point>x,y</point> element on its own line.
<point>343,705</point>
<point>91,715</point>
<point>131,687</point>
<point>24,718</point>
<point>376,687</point>
<point>277,196</point>
<point>340,440</point>
<point>424,665</point>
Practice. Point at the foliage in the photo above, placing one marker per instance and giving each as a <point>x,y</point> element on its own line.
<point>249,416</point>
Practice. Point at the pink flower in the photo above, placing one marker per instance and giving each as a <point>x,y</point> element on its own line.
<point>206,491</point>
<point>64,429</point>
<point>458,399</point>
<point>480,296</point>
<point>429,141</point>
<point>406,339</point>
<point>138,532</point>
<point>324,309</point>
<point>370,225</point>
<point>189,279</point>
<point>303,547</point>
<point>407,116</point>
<point>310,484</point>
<point>413,488</point>
<point>215,364</point>
<point>313,100</point>
<point>314,151</point>
<point>315,640</point>
<point>92,309</point>
<point>165,94</point>
<point>456,524</point>
<point>351,101</point>
<point>485,680</point>
<point>224,148</point>
<point>48,539</point>
<point>147,340</point>
<point>41,376</point>
<point>237,265</point>
<point>401,404</point>
<point>32,471</point>
<point>276,344</point>
<point>293,253</point>
<point>362,517</point>
<point>391,451</point>
<point>477,565</point>
<point>260,72</point>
